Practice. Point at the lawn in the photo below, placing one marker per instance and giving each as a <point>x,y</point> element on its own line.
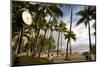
<point>28,60</point>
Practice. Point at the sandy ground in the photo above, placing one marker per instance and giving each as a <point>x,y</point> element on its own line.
<point>61,58</point>
<point>72,58</point>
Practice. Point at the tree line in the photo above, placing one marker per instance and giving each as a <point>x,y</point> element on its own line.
<point>37,42</point>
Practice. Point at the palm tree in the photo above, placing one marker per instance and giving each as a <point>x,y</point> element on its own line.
<point>48,26</point>
<point>71,15</point>
<point>40,10</point>
<point>51,43</point>
<point>52,10</point>
<point>51,26</point>
<point>44,26</point>
<point>86,17</point>
<point>42,41</point>
<point>94,26</point>
<point>61,28</point>
<point>69,35</point>
<point>58,42</point>
<point>70,48</point>
<point>93,10</point>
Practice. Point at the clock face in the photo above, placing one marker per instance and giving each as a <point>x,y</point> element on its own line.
<point>27,17</point>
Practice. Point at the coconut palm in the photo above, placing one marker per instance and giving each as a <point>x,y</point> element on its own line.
<point>52,10</point>
<point>71,18</point>
<point>94,26</point>
<point>61,28</point>
<point>86,17</point>
<point>45,28</point>
<point>51,26</point>
<point>93,9</point>
<point>69,35</point>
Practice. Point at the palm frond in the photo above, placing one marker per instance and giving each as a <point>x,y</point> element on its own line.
<point>80,21</point>
<point>86,22</point>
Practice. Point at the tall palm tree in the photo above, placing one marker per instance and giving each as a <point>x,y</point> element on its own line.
<point>61,28</point>
<point>70,48</point>
<point>69,35</point>
<point>94,26</point>
<point>52,10</point>
<point>70,7</point>
<point>40,10</point>
<point>86,17</point>
<point>51,26</point>
<point>93,10</point>
<point>71,15</point>
<point>44,26</point>
<point>48,26</point>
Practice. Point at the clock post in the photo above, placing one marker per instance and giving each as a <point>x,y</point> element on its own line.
<point>26,21</point>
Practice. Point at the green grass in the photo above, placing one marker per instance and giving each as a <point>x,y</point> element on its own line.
<point>26,60</point>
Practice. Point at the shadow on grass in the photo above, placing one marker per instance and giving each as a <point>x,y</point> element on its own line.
<point>28,60</point>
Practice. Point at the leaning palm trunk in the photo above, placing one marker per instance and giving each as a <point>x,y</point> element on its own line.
<point>30,41</point>
<point>49,47</point>
<point>36,41</point>
<point>41,47</point>
<point>37,36</point>
<point>58,44</point>
<point>89,39</point>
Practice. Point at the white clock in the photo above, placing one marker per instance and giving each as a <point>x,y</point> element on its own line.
<point>27,17</point>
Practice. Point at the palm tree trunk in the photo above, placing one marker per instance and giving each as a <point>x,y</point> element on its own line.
<point>41,47</point>
<point>30,41</point>
<point>61,41</point>
<point>38,31</point>
<point>34,47</point>
<point>58,44</point>
<point>49,47</point>
<point>47,34</point>
<point>89,39</point>
<point>70,48</point>
<point>67,50</point>
<point>71,9</point>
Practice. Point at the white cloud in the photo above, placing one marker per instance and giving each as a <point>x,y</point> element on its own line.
<point>82,42</point>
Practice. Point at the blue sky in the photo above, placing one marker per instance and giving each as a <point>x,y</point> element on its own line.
<point>82,42</point>
<point>82,39</point>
